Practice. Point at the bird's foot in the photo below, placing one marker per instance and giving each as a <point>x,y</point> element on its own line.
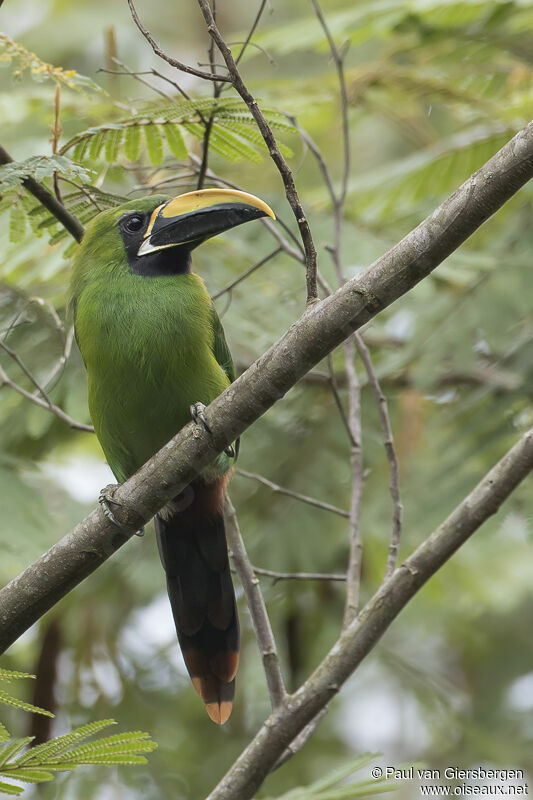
<point>198,416</point>
<point>105,498</point>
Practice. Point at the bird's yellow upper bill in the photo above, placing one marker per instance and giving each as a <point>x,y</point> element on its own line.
<point>196,216</point>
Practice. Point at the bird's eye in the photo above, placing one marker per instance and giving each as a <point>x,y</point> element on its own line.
<point>134,223</point>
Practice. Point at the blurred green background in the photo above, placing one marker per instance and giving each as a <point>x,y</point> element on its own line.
<point>435,88</point>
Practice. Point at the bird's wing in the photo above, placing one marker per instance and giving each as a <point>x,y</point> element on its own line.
<point>223,356</point>
<point>221,349</point>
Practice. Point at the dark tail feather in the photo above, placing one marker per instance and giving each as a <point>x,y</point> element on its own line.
<point>192,545</point>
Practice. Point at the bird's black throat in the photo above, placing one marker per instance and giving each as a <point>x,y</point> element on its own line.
<point>170,261</point>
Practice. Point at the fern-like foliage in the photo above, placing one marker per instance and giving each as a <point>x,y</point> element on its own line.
<point>333,786</point>
<point>21,60</point>
<point>156,129</point>
<point>19,762</point>
<point>25,214</point>
<point>8,676</point>
<point>234,135</point>
<point>39,167</point>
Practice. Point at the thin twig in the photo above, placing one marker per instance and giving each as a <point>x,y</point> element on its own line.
<point>299,741</point>
<point>332,380</point>
<point>208,124</point>
<point>205,150</point>
<point>338,200</point>
<point>63,358</point>
<point>339,66</point>
<point>139,73</point>
<point>246,274</point>
<point>252,30</point>
<point>208,76</point>
<point>83,189</point>
<point>299,576</point>
<point>388,441</point>
<point>263,50</point>
<point>356,461</point>
<point>66,340</point>
<point>273,149</point>
<point>256,604</point>
<point>138,77</point>
<point>56,135</point>
<point>49,406</point>
<point>289,493</point>
<point>27,372</point>
<point>353,421</point>
<point>175,84</point>
<point>272,227</point>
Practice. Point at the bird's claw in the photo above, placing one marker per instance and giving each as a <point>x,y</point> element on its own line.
<point>105,498</point>
<point>198,416</point>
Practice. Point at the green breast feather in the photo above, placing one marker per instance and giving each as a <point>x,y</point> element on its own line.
<point>152,347</point>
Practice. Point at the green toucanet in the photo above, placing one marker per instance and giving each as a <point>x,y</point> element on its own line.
<point>153,346</point>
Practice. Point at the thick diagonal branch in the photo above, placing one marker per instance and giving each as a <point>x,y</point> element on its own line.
<point>322,327</point>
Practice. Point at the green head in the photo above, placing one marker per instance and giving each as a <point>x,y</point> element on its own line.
<point>155,235</point>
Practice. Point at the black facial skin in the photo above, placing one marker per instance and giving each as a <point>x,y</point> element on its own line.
<point>169,261</point>
<point>178,236</point>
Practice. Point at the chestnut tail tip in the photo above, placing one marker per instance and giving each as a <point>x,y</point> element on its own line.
<point>219,712</point>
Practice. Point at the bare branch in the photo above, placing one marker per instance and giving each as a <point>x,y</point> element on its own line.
<point>331,379</point>
<point>56,135</point>
<point>388,440</point>
<point>252,30</point>
<point>256,604</point>
<point>273,149</point>
<point>63,358</point>
<point>299,576</point>
<point>339,66</point>
<point>46,402</point>
<point>299,741</point>
<point>208,76</point>
<point>138,76</point>
<point>5,380</point>
<point>246,274</point>
<point>263,50</point>
<point>353,420</point>
<point>353,579</point>
<point>17,359</point>
<point>289,493</point>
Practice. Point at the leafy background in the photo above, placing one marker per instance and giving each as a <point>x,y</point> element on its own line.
<point>435,87</point>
